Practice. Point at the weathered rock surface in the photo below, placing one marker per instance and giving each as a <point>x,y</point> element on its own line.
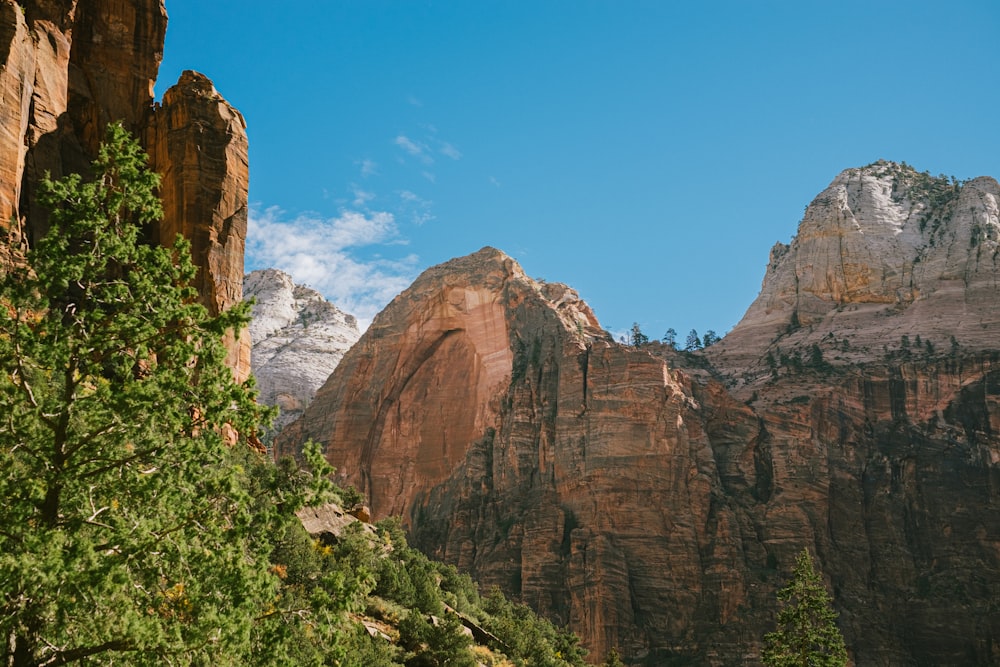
<point>883,252</point>
<point>298,339</point>
<point>67,69</point>
<point>522,444</point>
<point>34,51</point>
<point>197,143</point>
<point>633,496</point>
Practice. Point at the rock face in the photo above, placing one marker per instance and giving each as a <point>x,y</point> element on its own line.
<point>298,339</point>
<point>519,442</point>
<point>655,501</point>
<point>197,143</point>
<point>883,252</point>
<point>67,69</point>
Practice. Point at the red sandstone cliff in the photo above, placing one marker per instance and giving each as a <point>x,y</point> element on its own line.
<point>197,143</point>
<point>633,495</point>
<point>70,67</point>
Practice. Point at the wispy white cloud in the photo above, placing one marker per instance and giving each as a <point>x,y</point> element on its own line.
<point>450,151</point>
<point>413,101</point>
<point>494,181</point>
<point>408,145</point>
<point>368,167</point>
<point>411,197</point>
<point>361,197</point>
<point>322,253</point>
<point>417,149</point>
<point>418,208</point>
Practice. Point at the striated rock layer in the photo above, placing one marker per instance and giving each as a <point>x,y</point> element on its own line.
<point>632,495</point>
<point>67,69</point>
<point>298,339</point>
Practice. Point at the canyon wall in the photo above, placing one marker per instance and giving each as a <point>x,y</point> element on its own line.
<point>67,69</point>
<point>655,500</point>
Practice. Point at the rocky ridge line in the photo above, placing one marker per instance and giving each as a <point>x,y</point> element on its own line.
<point>884,252</point>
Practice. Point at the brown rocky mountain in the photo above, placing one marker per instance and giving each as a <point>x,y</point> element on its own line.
<point>655,500</point>
<point>70,67</point>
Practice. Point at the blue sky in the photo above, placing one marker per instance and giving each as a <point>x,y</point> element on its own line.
<point>648,154</point>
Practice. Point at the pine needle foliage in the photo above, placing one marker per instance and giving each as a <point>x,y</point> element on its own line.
<point>807,633</point>
<point>127,534</point>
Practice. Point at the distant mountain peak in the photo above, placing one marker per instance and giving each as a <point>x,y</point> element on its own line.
<point>298,339</point>
<point>883,251</point>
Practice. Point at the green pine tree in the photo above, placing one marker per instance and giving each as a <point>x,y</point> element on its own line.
<point>126,530</point>
<point>636,337</point>
<point>807,633</point>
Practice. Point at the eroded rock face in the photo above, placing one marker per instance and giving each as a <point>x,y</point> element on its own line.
<point>442,353</point>
<point>90,64</point>
<point>883,252</point>
<point>34,51</point>
<point>197,143</point>
<point>69,68</point>
<point>630,494</point>
<point>519,442</point>
<point>298,339</point>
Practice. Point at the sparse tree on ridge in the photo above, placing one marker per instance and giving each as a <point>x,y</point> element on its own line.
<point>636,337</point>
<point>693,342</point>
<point>807,634</point>
<point>670,338</point>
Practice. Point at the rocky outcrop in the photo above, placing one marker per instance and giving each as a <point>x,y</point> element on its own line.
<point>67,69</point>
<point>197,143</point>
<point>298,339</point>
<point>34,51</point>
<point>81,66</point>
<point>634,496</point>
<point>441,351</point>
<point>883,252</point>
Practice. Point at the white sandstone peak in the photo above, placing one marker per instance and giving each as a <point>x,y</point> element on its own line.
<point>298,339</point>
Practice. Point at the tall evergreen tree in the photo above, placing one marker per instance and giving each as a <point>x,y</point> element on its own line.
<point>636,337</point>
<point>693,342</point>
<point>125,526</point>
<point>670,337</point>
<point>807,633</point>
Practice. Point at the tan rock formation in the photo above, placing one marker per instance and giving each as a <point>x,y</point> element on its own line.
<point>629,494</point>
<point>883,252</point>
<point>198,144</point>
<point>448,363</point>
<point>67,69</point>
<point>34,52</point>
<point>117,50</point>
<point>93,63</point>
<point>522,444</point>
